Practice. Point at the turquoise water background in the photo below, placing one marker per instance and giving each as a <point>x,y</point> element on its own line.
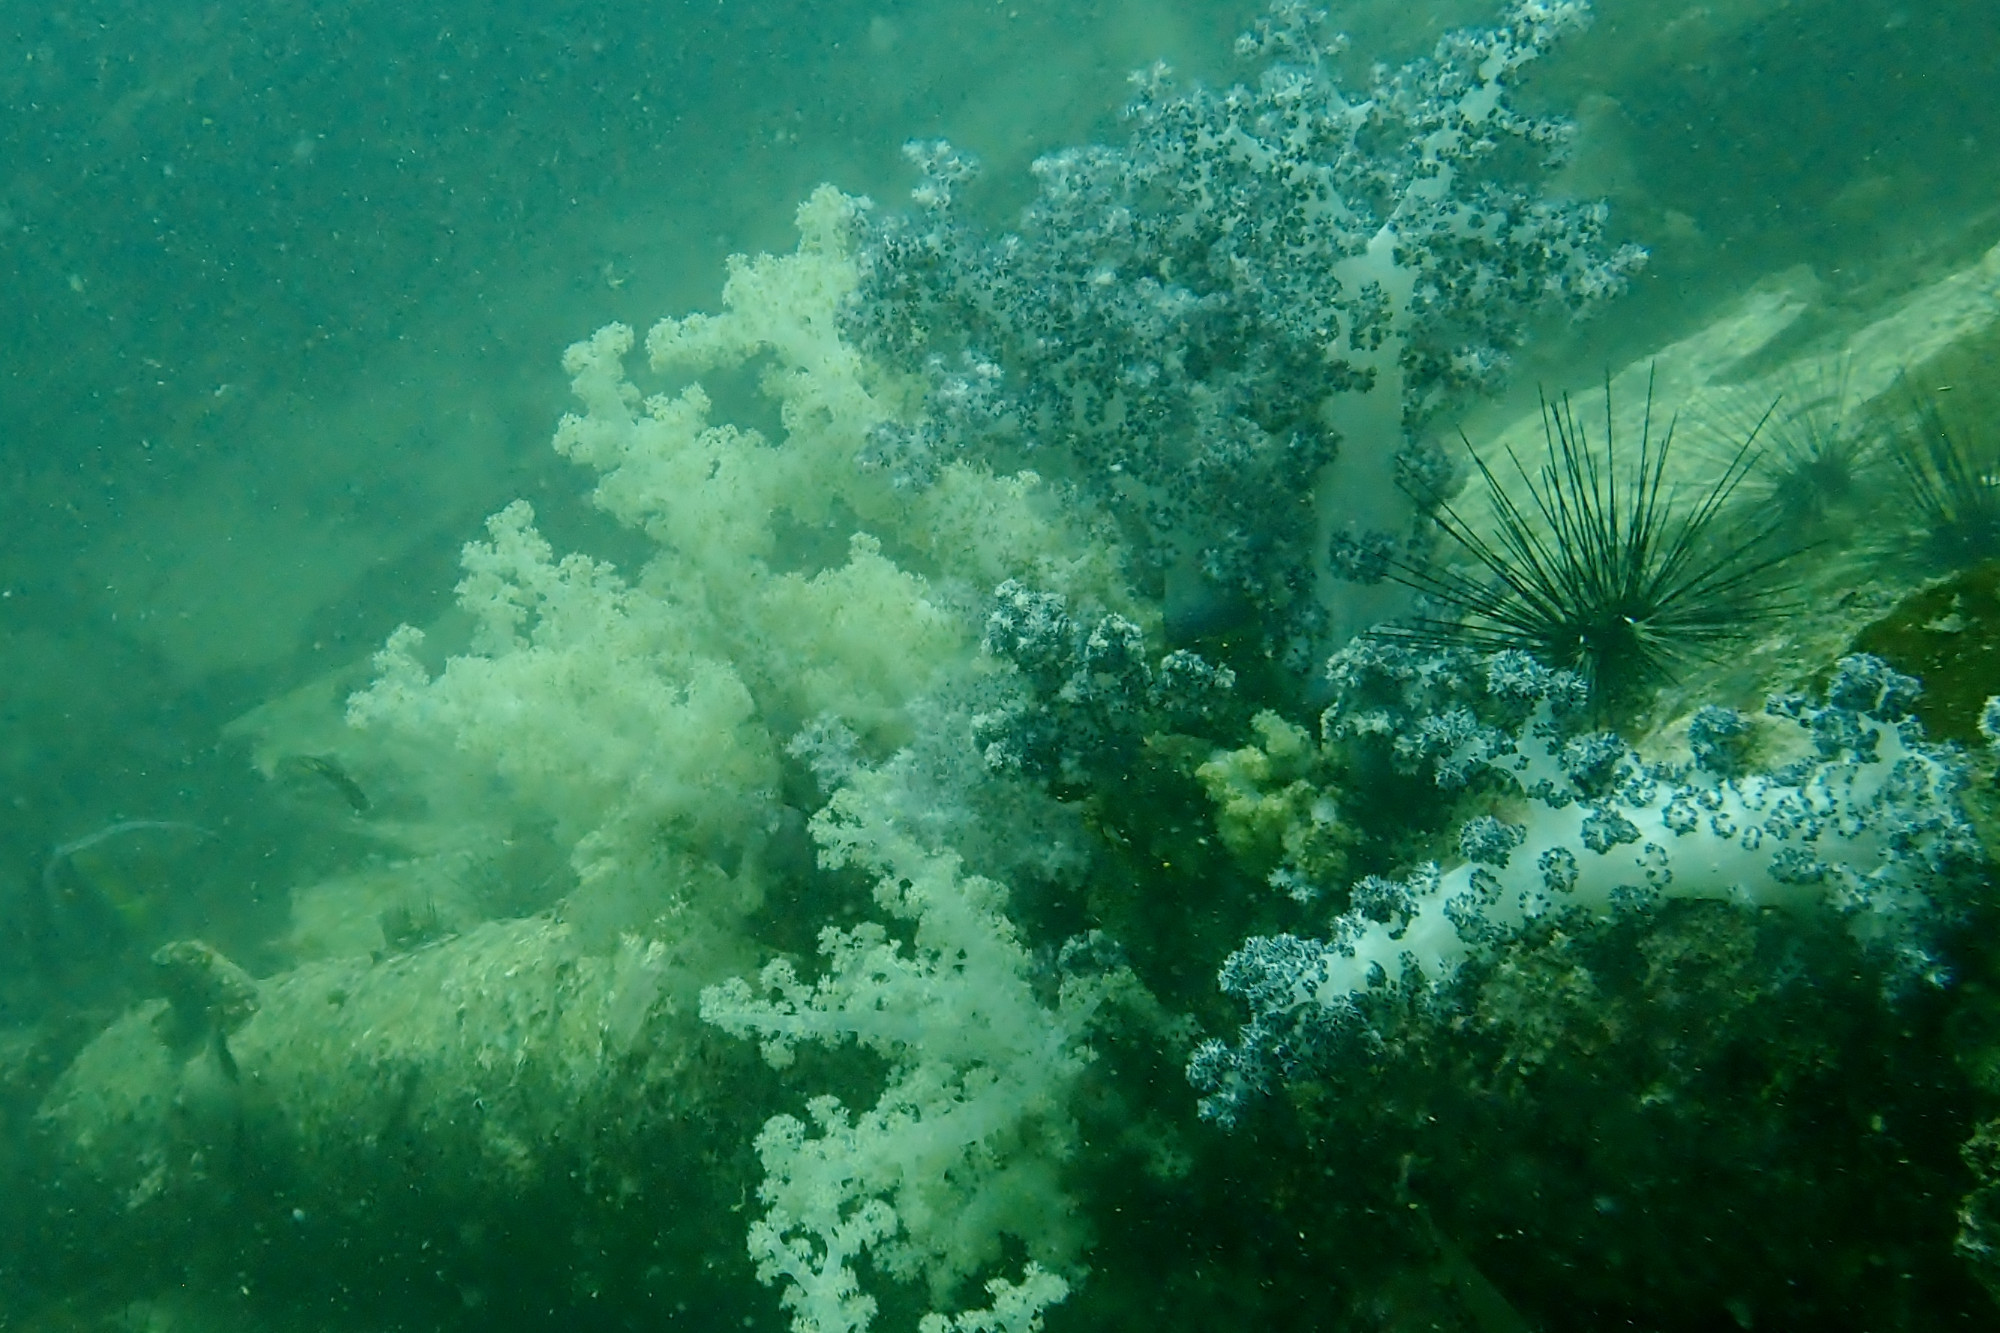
<point>286,288</point>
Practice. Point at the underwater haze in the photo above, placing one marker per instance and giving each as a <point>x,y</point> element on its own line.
<point>1000,666</point>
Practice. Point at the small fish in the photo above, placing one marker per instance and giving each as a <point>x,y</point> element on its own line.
<point>320,766</point>
<point>118,830</point>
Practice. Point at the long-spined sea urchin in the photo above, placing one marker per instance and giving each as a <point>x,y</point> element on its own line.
<point>1603,569</point>
<point>1951,484</point>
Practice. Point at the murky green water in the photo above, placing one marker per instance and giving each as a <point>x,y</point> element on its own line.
<point>288,290</point>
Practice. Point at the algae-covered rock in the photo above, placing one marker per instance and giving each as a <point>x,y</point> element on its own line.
<point>1979,1217</point>
<point>1947,634</point>
<point>433,1110</point>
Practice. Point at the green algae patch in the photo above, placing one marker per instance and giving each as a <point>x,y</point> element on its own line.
<point>1948,636</point>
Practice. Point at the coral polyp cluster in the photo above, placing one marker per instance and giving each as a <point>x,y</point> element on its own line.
<point>1864,823</point>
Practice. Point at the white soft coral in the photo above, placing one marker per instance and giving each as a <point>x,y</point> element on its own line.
<point>966,1142</point>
